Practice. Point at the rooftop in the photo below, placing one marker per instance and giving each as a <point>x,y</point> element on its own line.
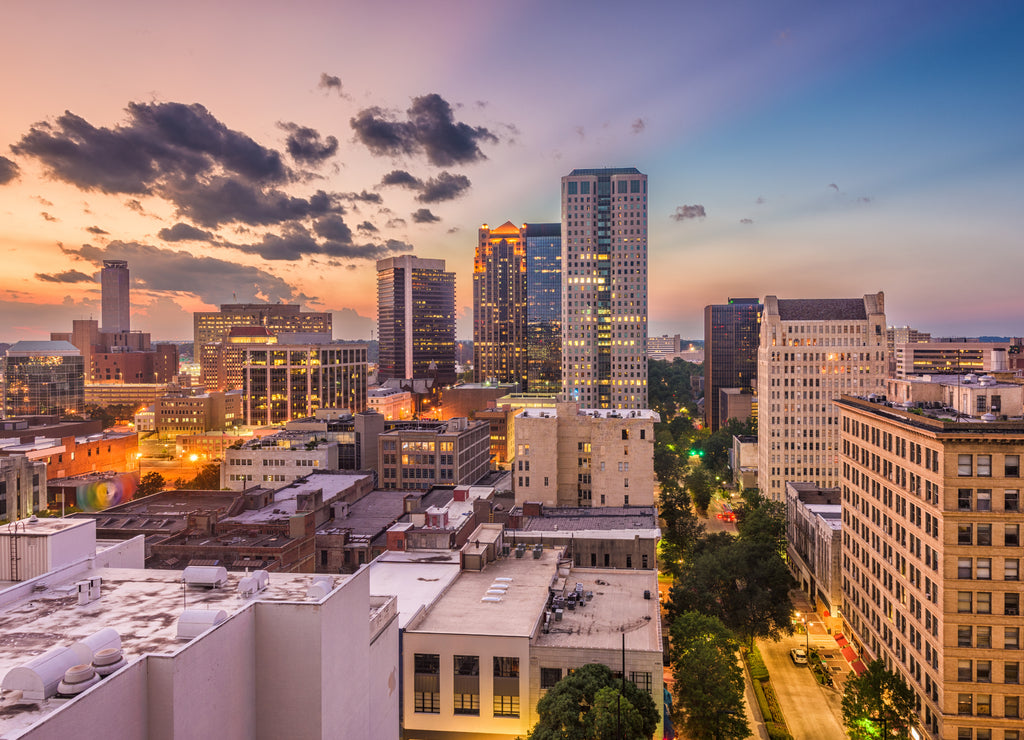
<point>417,577</point>
<point>822,309</point>
<point>42,348</point>
<point>605,171</point>
<point>370,515</point>
<point>285,500</point>
<point>627,520</point>
<point>937,421</point>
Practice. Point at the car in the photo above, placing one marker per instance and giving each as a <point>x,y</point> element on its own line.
<point>799,656</point>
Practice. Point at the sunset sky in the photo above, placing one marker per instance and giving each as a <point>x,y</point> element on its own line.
<point>238,151</point>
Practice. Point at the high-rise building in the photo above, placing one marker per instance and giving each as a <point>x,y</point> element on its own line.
<point>117,308</point>
<point>43,378</point>
<point>931,556</point>
<point>517,308</point>
<point>415,319</point>
<point>811,352</point>
<point>604,288</point>
<point>543,308</point>
<point>731,337</point>
<point>499,305</point>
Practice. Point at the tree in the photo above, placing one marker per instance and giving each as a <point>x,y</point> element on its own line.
<point>759,519</point>
<point>708,679</point>
<point>700,486</point>
<point>207,479</point>
<point>578,708</point>
<point>878,704</point>
<point>151,483</point>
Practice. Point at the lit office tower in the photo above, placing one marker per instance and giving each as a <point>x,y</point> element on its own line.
<point>543,307</point>
<point>415,319</point>
<point>117,309</point>
<point>604,288</point>
<point>731,336</point>
<point>499,305</point>
<point>811,352</point>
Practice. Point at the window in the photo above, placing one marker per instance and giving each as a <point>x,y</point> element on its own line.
<point>984,671</point>
<point>963,602</point>
<point>1011,569</point>
<point>985,535</point>
<point>964,465</point>
<point>1011,706</point>
<point>984,637</point>
<point>984,499</point>
<point>963,568</point>
<point>983,705</point>
<point>1011,603</point>
<point>964,670</point>
<point>625,434</point>
<point>984,602</point>
<point>963,499</point>
<point>506,687</point>
<point>1011,466</point>
<point>1011,535</point>
<point>985,466</point>
<point>1011,500</point>
<point>964,534</point>
<point>549,677</point>
<point>964,635</point>
<point>427,683</point>
<point>1011,734</point>
<point>1011,638</point>
<point>984,571</point>
<point>642,680</point>
<point>965,704</point>
<point>467,684</point>
<point>1011,672</point>
<point>644,560</point>
<point>607,560</point>
<point>964,733</point>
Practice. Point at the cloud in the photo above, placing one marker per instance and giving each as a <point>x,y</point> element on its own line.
<point>179,272</point>
<point>395,223</point>
<point>334,228</point>
<point>580,132</point>
<point>638,126</point>
<point>349,324</point>
<point>834,186</point>
<point>746,221</point>
<point>332,83</point>
<point>367,227</point>
<point>424,216</point>
<point>8,170</point>
<point>97,230</point>
<point>68,276</point>
<point>684,213</point>
<point>46,216</point>
<point>363,196</point>
<point>305,145</point>
<point>182,232</point>
<point>760,201</point>
<point>401,178</point>
<point>43,201</point>
<point>134,205</point>
<point>229,199</point>
<point>453,230</point>
<point>864,199</point>
<point>430,129</point>
<point>335,240</point>
<point>445,186</point>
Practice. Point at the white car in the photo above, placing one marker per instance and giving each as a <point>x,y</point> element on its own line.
<point>799,656</point>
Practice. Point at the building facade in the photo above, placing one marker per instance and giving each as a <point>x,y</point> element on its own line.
<point>731,339</point>
<point>499,305</point>
<point>931,561</point>
<point>604,288</point>
<point>43,378</point>
<point>415,319</point>
<point>568,456</point>
<point>543,308</point>
<point>418,456</point>
<point>284,382</point>
<point>22,487</point>
<point>813,535</point>
<point>811,352</point>
<point>115,282</point>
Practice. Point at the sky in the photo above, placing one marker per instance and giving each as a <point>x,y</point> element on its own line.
<point>236,152</point>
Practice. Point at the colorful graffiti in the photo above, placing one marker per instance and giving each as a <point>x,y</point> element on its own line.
<point>103,494</point>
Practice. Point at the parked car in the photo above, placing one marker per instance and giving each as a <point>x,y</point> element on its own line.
<point>799,656</point>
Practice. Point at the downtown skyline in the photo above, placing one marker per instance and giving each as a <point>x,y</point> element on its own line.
<point>796,150</point>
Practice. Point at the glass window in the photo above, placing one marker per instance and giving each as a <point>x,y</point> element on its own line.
<point>1011,466</point>
<point>963,602</point>
<point>1011,672</point>
<point>1011,500</point>
<point>965,704</point>
<point>964,733</point>
<point>984,602</point>
<point>1011,569</point>
<point>984,499</point>
<point>964,635</point>
<point>983,705</point>
<point>985,535</point>
<point>1011,603</point>
<point>965,465</point>
<point>549,677</point>
<point>1011,535</point>
<point>963,499</point>
<point>984,671</point>
<point>984,637</point>
<point>984,571</point>
<point>1011,638</point>
<point>964,670</point>
<point>985,465</point>
<point>964,534</point>
<point>1011,706</point>
<point>964,568</point>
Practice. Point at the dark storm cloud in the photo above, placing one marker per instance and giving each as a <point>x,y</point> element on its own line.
<point>171,271</point>
<point>367,227</point>
<point>424,216</point>
<point>182,232</point>
<point>331,82</point>
<point>445,186</point>
<point>402,179</point>
<point>8,170</point>
<point>306,146</point>
<point>96,230</point>
<point>333,228</point>
<point>68,276</point>
<point>295,242</point>
<point>684,213</point>
<point>430,129</point>
<point>228,199</point>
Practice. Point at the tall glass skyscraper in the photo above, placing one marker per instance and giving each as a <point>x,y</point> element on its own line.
<point>604,287</point>
<point>732,332</point>
<point>543,307</point>
<point>43,378</point>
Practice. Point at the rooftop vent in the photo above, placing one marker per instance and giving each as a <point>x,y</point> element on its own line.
<point>194,622</point>
<point>108,660</point>
<point>77,679</point>
<point>39,678</point>
<point>207,576</point>
<point>320,587</point>
<point>491,599</point>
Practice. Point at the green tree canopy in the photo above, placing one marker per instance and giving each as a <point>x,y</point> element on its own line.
<point>701,486</point>
<point>578,708</point>
<point>708,680</point>
<point>207,479</point>
<point>878,704</point>
<point>151,483</point>
<point>759,519</point>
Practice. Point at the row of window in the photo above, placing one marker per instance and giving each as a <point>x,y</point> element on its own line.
<point>980,671</point>
<point>980,705</point>
<point>981,569</point>
<point>967,499</point>
<point>969,733</point>
<point>981,534</point>
<point>981,466</point>
<point>980,602</point>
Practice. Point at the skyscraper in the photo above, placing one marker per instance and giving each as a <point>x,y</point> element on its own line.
<point>117,309</point>
<point>811,352</point>
<point>415,319</point>
<point>604,287</point>
<point>43,378</point>
<point>731,336</point>
<point>517,334</point>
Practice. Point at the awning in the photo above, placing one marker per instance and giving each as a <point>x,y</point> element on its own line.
<point>849,654</point>
<point>840,639</point>
<point>858,667</point>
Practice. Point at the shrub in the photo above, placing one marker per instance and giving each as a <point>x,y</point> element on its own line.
<point>777,731</point>
<point>762,702</point>
<point>758,670</point>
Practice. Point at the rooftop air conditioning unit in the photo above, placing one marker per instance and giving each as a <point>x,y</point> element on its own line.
<point>206,576</point>
<point>194,622</point>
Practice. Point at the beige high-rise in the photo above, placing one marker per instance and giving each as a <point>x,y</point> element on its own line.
<point>811,352</point>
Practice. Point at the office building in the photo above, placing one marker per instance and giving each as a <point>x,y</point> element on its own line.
<point>811,352</point>
<point>731,337</point>
<point>421,455</point>
<point>117,308</point>
<point>543,308</point>
<point>499,305</point>
<point>415,319</point>
<point>43,378</point>
<point>288,381</point>
<point>22,487</point>
<point>813,546</point>
<point>931,560</point>
<point>604,288</point>
<point>955,357</point>
<point>568,456</point>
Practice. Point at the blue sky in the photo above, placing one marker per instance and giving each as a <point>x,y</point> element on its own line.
<point>837,149</point>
